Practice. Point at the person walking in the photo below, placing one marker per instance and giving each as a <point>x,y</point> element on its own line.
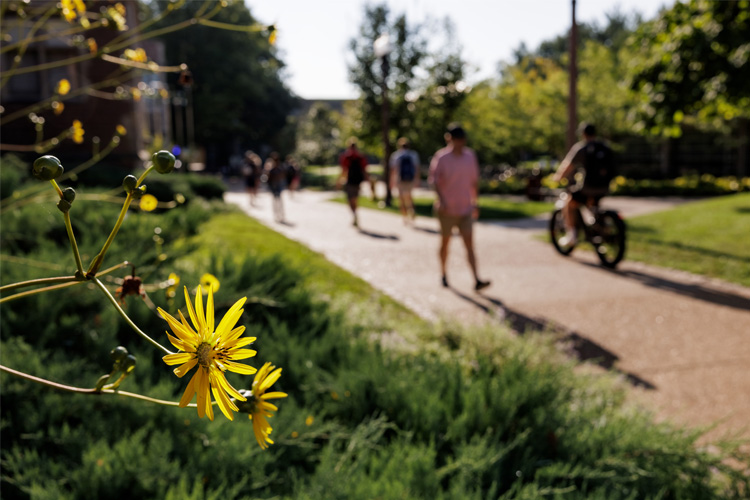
<point>251,172</point>
<point>353,172</point>
<point>454,173</point>
<point>404,163</point>
<point>275,177</point>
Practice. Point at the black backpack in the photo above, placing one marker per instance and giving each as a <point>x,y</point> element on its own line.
<point>599,164</point>
<point>407,169</point>
<point>355,175</point>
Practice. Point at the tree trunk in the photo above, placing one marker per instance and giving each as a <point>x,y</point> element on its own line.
<point>742,147</point>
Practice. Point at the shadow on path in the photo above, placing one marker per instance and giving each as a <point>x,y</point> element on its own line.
<point>576,345</point>
<point>379,236</point>
<point>694,291</point>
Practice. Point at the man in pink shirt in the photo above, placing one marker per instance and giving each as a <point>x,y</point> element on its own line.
<point>454,171</point>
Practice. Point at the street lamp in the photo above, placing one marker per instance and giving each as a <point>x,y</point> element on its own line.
<point>573,78</point>
<point>382,47</point>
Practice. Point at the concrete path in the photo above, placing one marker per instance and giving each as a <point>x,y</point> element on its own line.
<point>681,339</point>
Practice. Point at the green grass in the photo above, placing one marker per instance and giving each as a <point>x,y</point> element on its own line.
<point>467,413</point>
<point>710,237</point>
<point>490,207</point>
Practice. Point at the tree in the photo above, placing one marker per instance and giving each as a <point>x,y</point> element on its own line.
<point>407,56</point>
<point>692,64</point>
<point>239,97</point>
<point>319,135</point>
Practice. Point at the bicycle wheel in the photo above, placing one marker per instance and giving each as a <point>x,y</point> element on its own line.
<point>557,232</point>
<point>610,240</point>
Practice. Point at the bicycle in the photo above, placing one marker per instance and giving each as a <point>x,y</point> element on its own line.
<point>603,229</point>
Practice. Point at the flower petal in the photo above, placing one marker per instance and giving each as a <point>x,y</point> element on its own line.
<point>199,311</point>
<point>226,386</point>
<point>201,389</point>
<point>210,310</point>
<point>187,396</point>
<point>237,354</point>
<point>240,368</point>
<point>270,380</point>
<point>231,317</point>
<point>178,358</point>
<point>181,371</point>
<point>233,344</point>
<point>274,395</point>
<point>191,311</point>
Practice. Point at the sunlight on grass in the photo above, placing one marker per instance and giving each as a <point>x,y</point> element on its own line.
<point>710,237</point>
<point>490,207</point>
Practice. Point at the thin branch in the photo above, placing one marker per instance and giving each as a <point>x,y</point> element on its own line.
<point>39,290</point>
<point>42,281</point>
<point>127,318</point>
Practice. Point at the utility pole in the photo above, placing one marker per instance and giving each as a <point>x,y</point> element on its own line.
<point>573,79</point>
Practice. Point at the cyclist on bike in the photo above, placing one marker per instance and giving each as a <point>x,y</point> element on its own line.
<point>594,157</point>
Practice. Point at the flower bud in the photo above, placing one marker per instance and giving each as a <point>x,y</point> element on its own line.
<point>118,353</point>
<point>137,193</point>
<point>163,161</point>
<point>128,183</point>
<point>47,168</point>
<point>63,206</point>
<point>69,194</point>
<point>128,364</point>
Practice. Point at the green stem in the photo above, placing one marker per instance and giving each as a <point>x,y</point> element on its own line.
<point>79,390</point>
<point>97,262</point>
<point>39,290</point>
<point>127,319</point>
<point>99,259</point>
<point>71,236</point>
<point>42,281</point>
<point>73,244</point>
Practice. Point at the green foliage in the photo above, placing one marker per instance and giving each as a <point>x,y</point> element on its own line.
<point>706,237</point>
<point>238,92</point>
<point>420,107</point>
<point>691,185</point>
<point>318,136</point>
<point>693,60</point>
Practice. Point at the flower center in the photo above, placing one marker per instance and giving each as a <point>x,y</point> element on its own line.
<point>204,354</point>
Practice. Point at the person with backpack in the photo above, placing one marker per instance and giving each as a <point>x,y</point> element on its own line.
<point>404,163</point>
<point>353,172</point>
<point>594,158</point>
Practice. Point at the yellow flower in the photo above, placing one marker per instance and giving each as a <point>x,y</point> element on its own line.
<point>121,130</point>
<point>93,47</point>
<point>78,132</point>
<point>257,404</point>
<point>208,280</point>
<point>174,280</point>
<point>63,86</point>
<point>212,350</point>
<point>309,420</point>
<point>148,202</point>
<point>58,107</point>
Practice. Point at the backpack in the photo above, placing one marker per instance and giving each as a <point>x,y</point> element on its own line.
<point>355,175</point>
<point>599,164</point>
<point>406,167</point>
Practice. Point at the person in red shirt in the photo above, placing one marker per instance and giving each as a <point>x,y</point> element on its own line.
<point>353,173</point>
<point>454,171</point>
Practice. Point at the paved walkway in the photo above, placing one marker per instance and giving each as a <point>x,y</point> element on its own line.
<point>683,340</point>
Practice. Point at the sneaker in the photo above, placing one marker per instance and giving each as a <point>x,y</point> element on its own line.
<point>445,281</point>
<point>570,239</point>
<point>481,285</point>
<point>355,223</point>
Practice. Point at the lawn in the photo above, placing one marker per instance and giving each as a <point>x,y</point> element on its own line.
<point>490,207</point>
<point>709,237</point>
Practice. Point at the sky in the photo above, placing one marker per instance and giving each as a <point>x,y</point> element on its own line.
<point>313,35</point>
